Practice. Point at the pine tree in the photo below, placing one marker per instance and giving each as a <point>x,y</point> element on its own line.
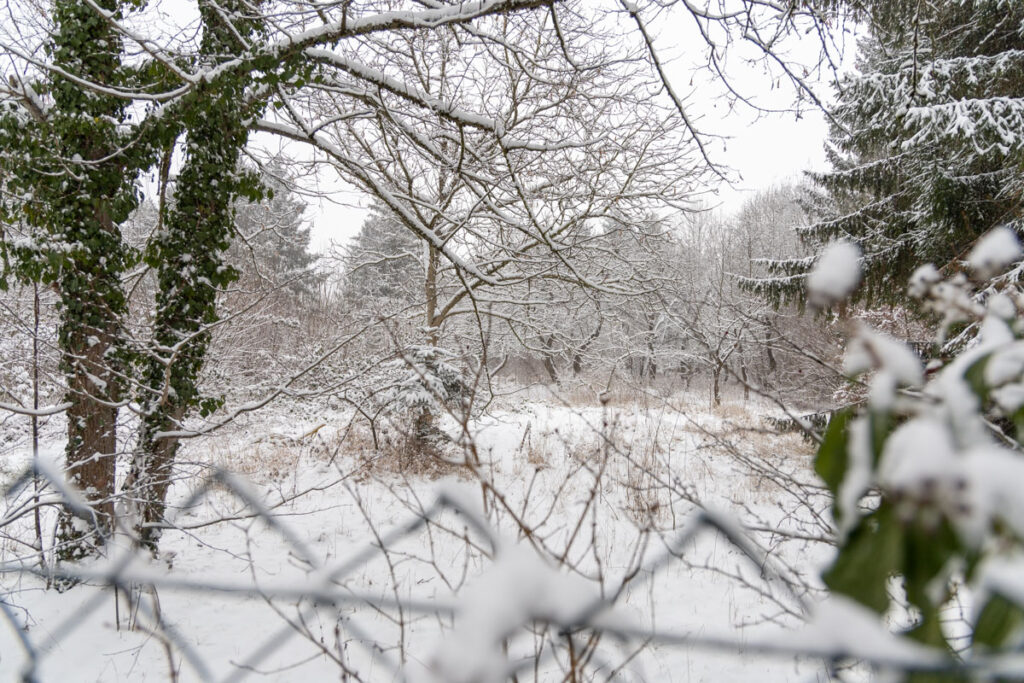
<point>271,239</point>
<point>383,262</point>
<point>926,145</point>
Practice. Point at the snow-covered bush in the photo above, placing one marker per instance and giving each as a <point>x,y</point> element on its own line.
<point>424,384</point>
<point>927,478</point>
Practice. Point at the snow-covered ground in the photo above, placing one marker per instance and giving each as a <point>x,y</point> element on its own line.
<point>598,492</point>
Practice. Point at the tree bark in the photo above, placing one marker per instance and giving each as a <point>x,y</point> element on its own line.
<point>716,391</point>
<point>150,477</point>
<point>92,442</point>
<point>430,294</point>
<point>548,358</point>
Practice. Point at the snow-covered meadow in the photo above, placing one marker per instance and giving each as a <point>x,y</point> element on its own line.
<point>310,570</point>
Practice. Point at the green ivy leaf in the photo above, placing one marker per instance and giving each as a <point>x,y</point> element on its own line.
<point>881,424</point>
<point>1018,423</point>
<point>935,677</point>
<point>999,619</point>
<point>873,552</point>
<point>831,461</point>
<point>929,630</point>
<point>975,376</point>
<point>927,551</point>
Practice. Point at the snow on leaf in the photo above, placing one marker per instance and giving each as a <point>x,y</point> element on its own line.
<point>917,456</point>
<point>996,250</point>
<point>835,275</point>
<point>857,479</point>
<point>923,279</point>
<point>993,476</point>
<point>1001,575</point>
<point>1004,373</point>
<point>896,363</point>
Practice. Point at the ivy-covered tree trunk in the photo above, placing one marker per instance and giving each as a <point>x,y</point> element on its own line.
<point>85,211</point>
<point>92,420</point>
<point>69,180</point>
<point>189,258</point>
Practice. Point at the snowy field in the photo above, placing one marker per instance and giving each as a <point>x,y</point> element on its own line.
<point>285,578</point>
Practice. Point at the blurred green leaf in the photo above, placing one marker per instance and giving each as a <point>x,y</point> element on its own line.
<point>999,619</point>
<point>872,553</point>
<point>831,461</point>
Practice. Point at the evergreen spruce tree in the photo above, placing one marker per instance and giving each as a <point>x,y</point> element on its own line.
<point>383,265</point>
<point>926,145</point>
<point>271,239</point>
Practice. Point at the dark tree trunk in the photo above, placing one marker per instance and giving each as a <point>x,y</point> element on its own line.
<point>430,294</point>
<point>577,358</point>
<point>548,358</point>
<point>92,443</point>
<point>716,391</point>
<point>772,363</point>
<point>651,363</point>
<point>150,477</point>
